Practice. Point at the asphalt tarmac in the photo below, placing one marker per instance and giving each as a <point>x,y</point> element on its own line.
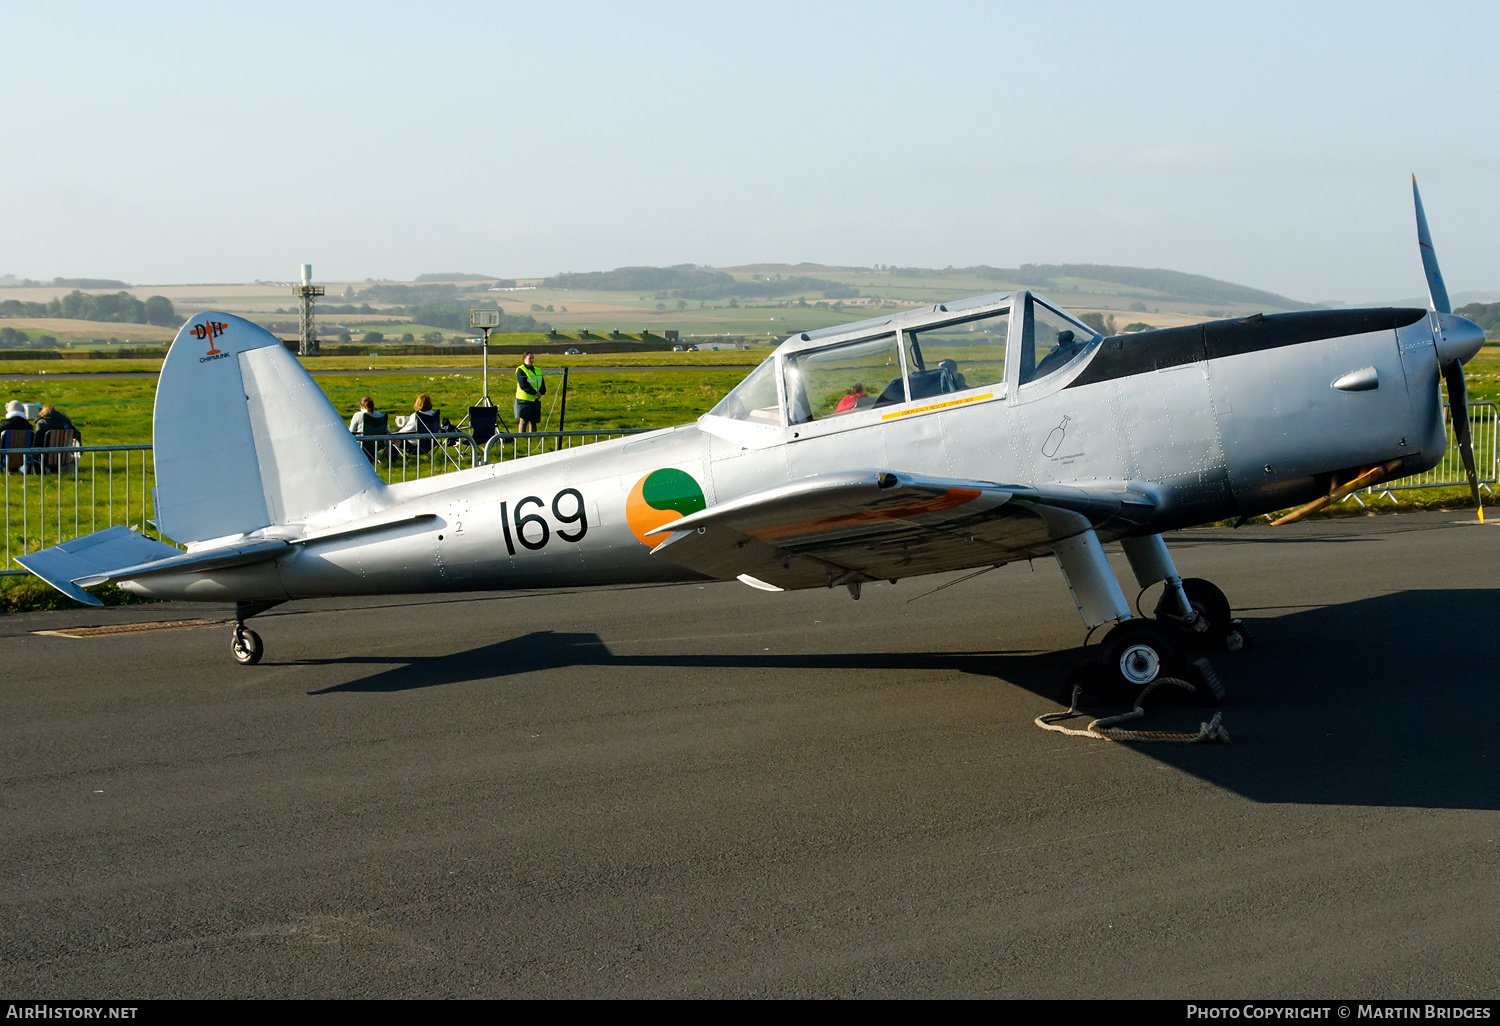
<point>709,791</point>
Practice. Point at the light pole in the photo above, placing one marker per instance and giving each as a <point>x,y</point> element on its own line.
<point>485,320</point>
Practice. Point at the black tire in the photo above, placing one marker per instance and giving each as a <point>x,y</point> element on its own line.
<point>1210,603</point>
<point>246,648</point>
<point>1134,654</point>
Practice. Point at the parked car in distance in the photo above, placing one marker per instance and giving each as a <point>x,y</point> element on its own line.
<point>571,352</point>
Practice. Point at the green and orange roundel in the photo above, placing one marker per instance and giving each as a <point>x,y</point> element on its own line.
<point>661,497</point>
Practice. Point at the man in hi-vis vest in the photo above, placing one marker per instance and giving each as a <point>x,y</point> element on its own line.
<point>529,391</point>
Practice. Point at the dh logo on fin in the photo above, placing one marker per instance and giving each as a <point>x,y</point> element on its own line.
<point>211,330</point>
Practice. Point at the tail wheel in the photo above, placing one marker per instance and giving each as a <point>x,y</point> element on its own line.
<point>1136,653</point>
<point>246,647</point>
<point>1208,602</point>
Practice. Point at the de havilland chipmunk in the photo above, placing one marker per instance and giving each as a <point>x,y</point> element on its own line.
<point>986,431</point>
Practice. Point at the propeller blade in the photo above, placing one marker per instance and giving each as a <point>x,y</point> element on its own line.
<point>1452,352</point>
<point>1437,292</point>
<point>1458,407</point>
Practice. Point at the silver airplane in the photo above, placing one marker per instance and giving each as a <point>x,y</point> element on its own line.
<point>962,435</point>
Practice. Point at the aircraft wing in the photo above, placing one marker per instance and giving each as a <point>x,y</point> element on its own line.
<point>852,527</point>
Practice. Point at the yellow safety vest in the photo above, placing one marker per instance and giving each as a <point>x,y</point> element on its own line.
<point>535,377</point>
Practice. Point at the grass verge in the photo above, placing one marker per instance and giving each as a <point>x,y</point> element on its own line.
<point>30,594</point>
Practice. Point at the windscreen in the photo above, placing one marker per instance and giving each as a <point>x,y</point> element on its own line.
<point>753,399</point>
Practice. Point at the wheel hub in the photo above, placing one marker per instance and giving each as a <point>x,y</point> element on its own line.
<point>1139,664</point>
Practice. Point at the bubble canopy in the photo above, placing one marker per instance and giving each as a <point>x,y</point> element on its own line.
<point>990,342</point>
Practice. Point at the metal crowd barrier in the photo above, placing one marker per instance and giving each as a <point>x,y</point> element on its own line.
<point>1484,430</point>
<point>403,457</point>
<point>55,495</point>
<point>533,442</point>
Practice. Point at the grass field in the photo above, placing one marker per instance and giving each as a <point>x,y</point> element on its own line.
<point>117,411</point>
<point>89,332</point>
<point>645,398</point>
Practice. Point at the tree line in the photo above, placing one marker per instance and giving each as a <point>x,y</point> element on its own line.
<point>11,281</point>
<point>119,307</point>
<point>10,337</point>
<point>688,281</point>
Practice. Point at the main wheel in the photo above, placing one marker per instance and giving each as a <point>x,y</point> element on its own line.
<point>246,647</point>
<point>1208,602</point>
<point>1136,653</point>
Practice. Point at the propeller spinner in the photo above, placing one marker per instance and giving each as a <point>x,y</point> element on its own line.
<point>1458,339</point>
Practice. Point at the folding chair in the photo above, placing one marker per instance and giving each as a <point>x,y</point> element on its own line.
<point>373,426</point>
<point>67,441</point>
<point>15,438</point>
<point>428,424</point>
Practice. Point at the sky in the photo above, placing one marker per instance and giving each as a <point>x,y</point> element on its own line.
<point>1267,144</point>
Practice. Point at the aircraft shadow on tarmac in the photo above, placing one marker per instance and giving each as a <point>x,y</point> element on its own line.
<point>1384,701</point>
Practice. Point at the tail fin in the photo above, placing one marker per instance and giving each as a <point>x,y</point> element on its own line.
<point>243,437</point>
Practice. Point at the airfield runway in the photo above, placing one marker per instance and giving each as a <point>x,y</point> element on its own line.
<point>708,791</point>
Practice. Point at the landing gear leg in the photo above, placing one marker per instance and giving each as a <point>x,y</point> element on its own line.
<point>1136,652</point>
<point>1195,611</point>
<point>1099,599</point>
<point>246,645</point>
<point>1090,578</point>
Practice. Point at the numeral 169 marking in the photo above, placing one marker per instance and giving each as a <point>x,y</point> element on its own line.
<point>532,530</point>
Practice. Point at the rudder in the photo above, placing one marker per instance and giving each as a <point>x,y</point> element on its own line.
<point>243,436</point>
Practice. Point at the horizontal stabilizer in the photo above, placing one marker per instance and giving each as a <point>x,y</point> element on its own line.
<point>241,553</point>
<point>218,558</point>
<point>93,554</point>
<point>120,554</point>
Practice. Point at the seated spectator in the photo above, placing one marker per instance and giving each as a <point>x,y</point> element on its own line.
<point>369,422</point>
<point>53,419</point>
<point>16,433</point>
<point>366,418</point>
<point>55,431</point>
<point>423,418</point>
<point>15,417</point>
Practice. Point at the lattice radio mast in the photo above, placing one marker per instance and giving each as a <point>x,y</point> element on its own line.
<point>308,346</point>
